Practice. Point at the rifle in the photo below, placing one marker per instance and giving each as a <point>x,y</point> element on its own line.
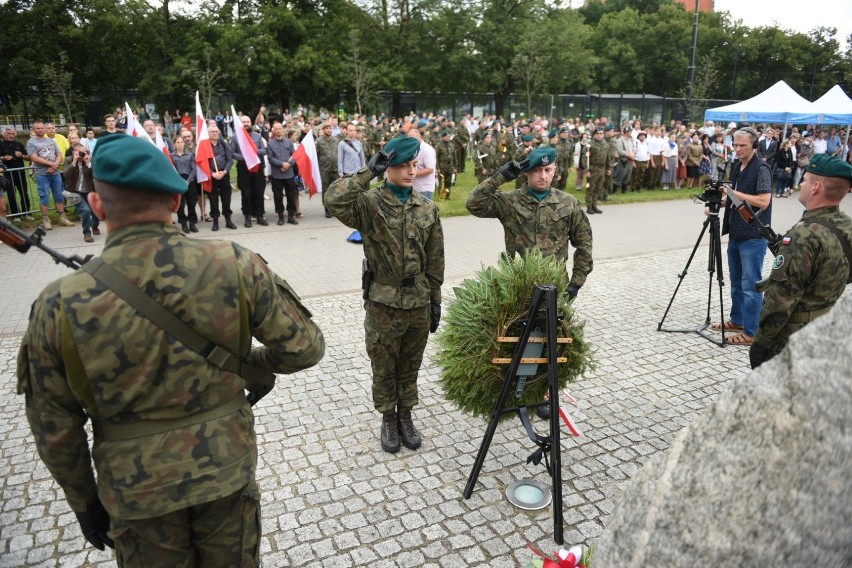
<point>259,382</point>
<point>749,215</point>
<point>14,237</point>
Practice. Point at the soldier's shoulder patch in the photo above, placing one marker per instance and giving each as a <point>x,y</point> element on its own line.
<point>787,240</point>
<point>779,262</point>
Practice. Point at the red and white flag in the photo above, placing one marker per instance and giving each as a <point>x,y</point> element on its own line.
<point>161,144</point>
<point>133,126</point>
<point>306,158</point>
<point>203,149</point>
<point>247,146</point>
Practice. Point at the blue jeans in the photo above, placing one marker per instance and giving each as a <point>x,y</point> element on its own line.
<point>745,263</point>
<point>87,218</point>
<point>47,184</point>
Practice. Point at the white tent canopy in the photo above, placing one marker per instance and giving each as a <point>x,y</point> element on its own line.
<point>776,104</point>
<point>834,107</point>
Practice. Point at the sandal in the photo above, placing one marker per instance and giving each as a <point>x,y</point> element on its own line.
<point>728,326</point>
<point>740,339</point>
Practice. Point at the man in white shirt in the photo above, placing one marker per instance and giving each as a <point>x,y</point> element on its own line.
<point>643,155</point>
<point>424,177</point>
<point>820,143</point>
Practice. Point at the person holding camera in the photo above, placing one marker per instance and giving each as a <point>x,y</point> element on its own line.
<point>814,260</point>
<point>752,182</point>
<point>79,181</point>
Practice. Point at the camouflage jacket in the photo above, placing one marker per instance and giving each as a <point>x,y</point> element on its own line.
<point>564,154</point>
<point>809,274</point>
<point>327,153</point>
<point>461,136</point>
<point>599,157</point>
<point>399,240</point>
<point>88,354</point>
<point>551,225</point>
<point>445,156</point>
<point>485,157</point>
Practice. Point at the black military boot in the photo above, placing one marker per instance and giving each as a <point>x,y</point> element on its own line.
<point>410,436</point>
<point>390,433</point>
<point>229,224</point>
<point>589,210</point>
<point>247,224</point>
<point>595,209</point>
<point>216,224</point>
<point>291,219</point>
<point>192,227</point>
<point>262,222</point>
<point>281,220</point>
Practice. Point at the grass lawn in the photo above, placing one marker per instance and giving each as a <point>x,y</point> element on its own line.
<point>467,181</point>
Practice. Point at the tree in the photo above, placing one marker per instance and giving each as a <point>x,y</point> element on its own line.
<point>361,78</point>
<point>58,83</point>
<point>703,88</point>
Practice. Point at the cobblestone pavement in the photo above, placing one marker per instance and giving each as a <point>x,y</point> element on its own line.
<point>331,497</point>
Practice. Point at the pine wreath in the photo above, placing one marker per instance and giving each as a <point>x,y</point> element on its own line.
<point>489,306</point>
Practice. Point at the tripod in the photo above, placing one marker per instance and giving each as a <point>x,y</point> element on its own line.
<point>714,265</point>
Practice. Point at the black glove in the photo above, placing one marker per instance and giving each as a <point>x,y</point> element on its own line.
<point>510,170</point>
<point>571,291</point>
<point>757,355</point>
<point>434,316</point>
<point>380,162</point>
<point>94,522</point>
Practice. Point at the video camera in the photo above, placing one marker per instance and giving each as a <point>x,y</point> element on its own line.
<point>712,194</point>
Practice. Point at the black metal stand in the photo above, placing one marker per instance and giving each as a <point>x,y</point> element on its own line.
<point>546,295</point>
<point>714,266</point>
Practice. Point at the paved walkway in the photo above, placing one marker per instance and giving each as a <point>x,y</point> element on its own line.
<point>331,497</point>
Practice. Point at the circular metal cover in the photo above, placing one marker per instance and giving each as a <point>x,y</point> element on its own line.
<point>528,494</point>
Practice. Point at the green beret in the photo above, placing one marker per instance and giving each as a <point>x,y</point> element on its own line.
<point>552,134</point>
<point>824,165</point>
<point>608,127</point>
<point>406,149</point>
<point>444,132</point>
<point>538,157</point>
<point>132,162</point>
<point>524,138</point>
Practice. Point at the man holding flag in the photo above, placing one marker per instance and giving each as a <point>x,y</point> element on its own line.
<point>248,149</point>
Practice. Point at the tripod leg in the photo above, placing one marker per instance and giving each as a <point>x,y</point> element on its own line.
<point>704,228</point>
<point>504,393</point>
<point>555,447</point>
<point>720,277</point>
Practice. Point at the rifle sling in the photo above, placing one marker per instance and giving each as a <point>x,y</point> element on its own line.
<point>170,323</point>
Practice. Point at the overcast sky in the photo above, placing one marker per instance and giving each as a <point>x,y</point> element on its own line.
<point>797,15</point>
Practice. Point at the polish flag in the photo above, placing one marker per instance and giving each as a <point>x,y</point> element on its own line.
<point>161,144</point>
<point>133,126</point>
<point>203,149</point>
<point>306,158</point>
<point>246,144</point>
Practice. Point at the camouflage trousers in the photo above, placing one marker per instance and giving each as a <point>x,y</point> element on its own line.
<point>222,533</point>
<point>638,178</point>
<point>327,177</point>
<point>596,189</point>
<point>395,340</point>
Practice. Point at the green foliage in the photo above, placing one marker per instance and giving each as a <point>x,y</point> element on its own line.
<point>489,306</point>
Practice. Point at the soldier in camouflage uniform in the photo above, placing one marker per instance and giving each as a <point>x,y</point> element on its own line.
<point>610,138</point>
<point>565,157</point>
<point>461,139</point>
<point>599,164</point>
<point>174,441</point>
<point>445,156</point>
<point>404,244</point>
<point>537,216</point>
<point>814,261</point>
<point>522,153</point>
<point>485,157</point>
<point>327,157</point>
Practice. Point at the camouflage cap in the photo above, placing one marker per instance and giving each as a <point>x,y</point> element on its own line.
<point>825,165</point>
<point>132,162</point>
<point>406,149</point>
<point>564,129</point>
<point>541,157</point>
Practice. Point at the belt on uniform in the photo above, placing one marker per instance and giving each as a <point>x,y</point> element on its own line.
<point>112,432</point>
<point>407,281</point>
<point>805,317</point>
